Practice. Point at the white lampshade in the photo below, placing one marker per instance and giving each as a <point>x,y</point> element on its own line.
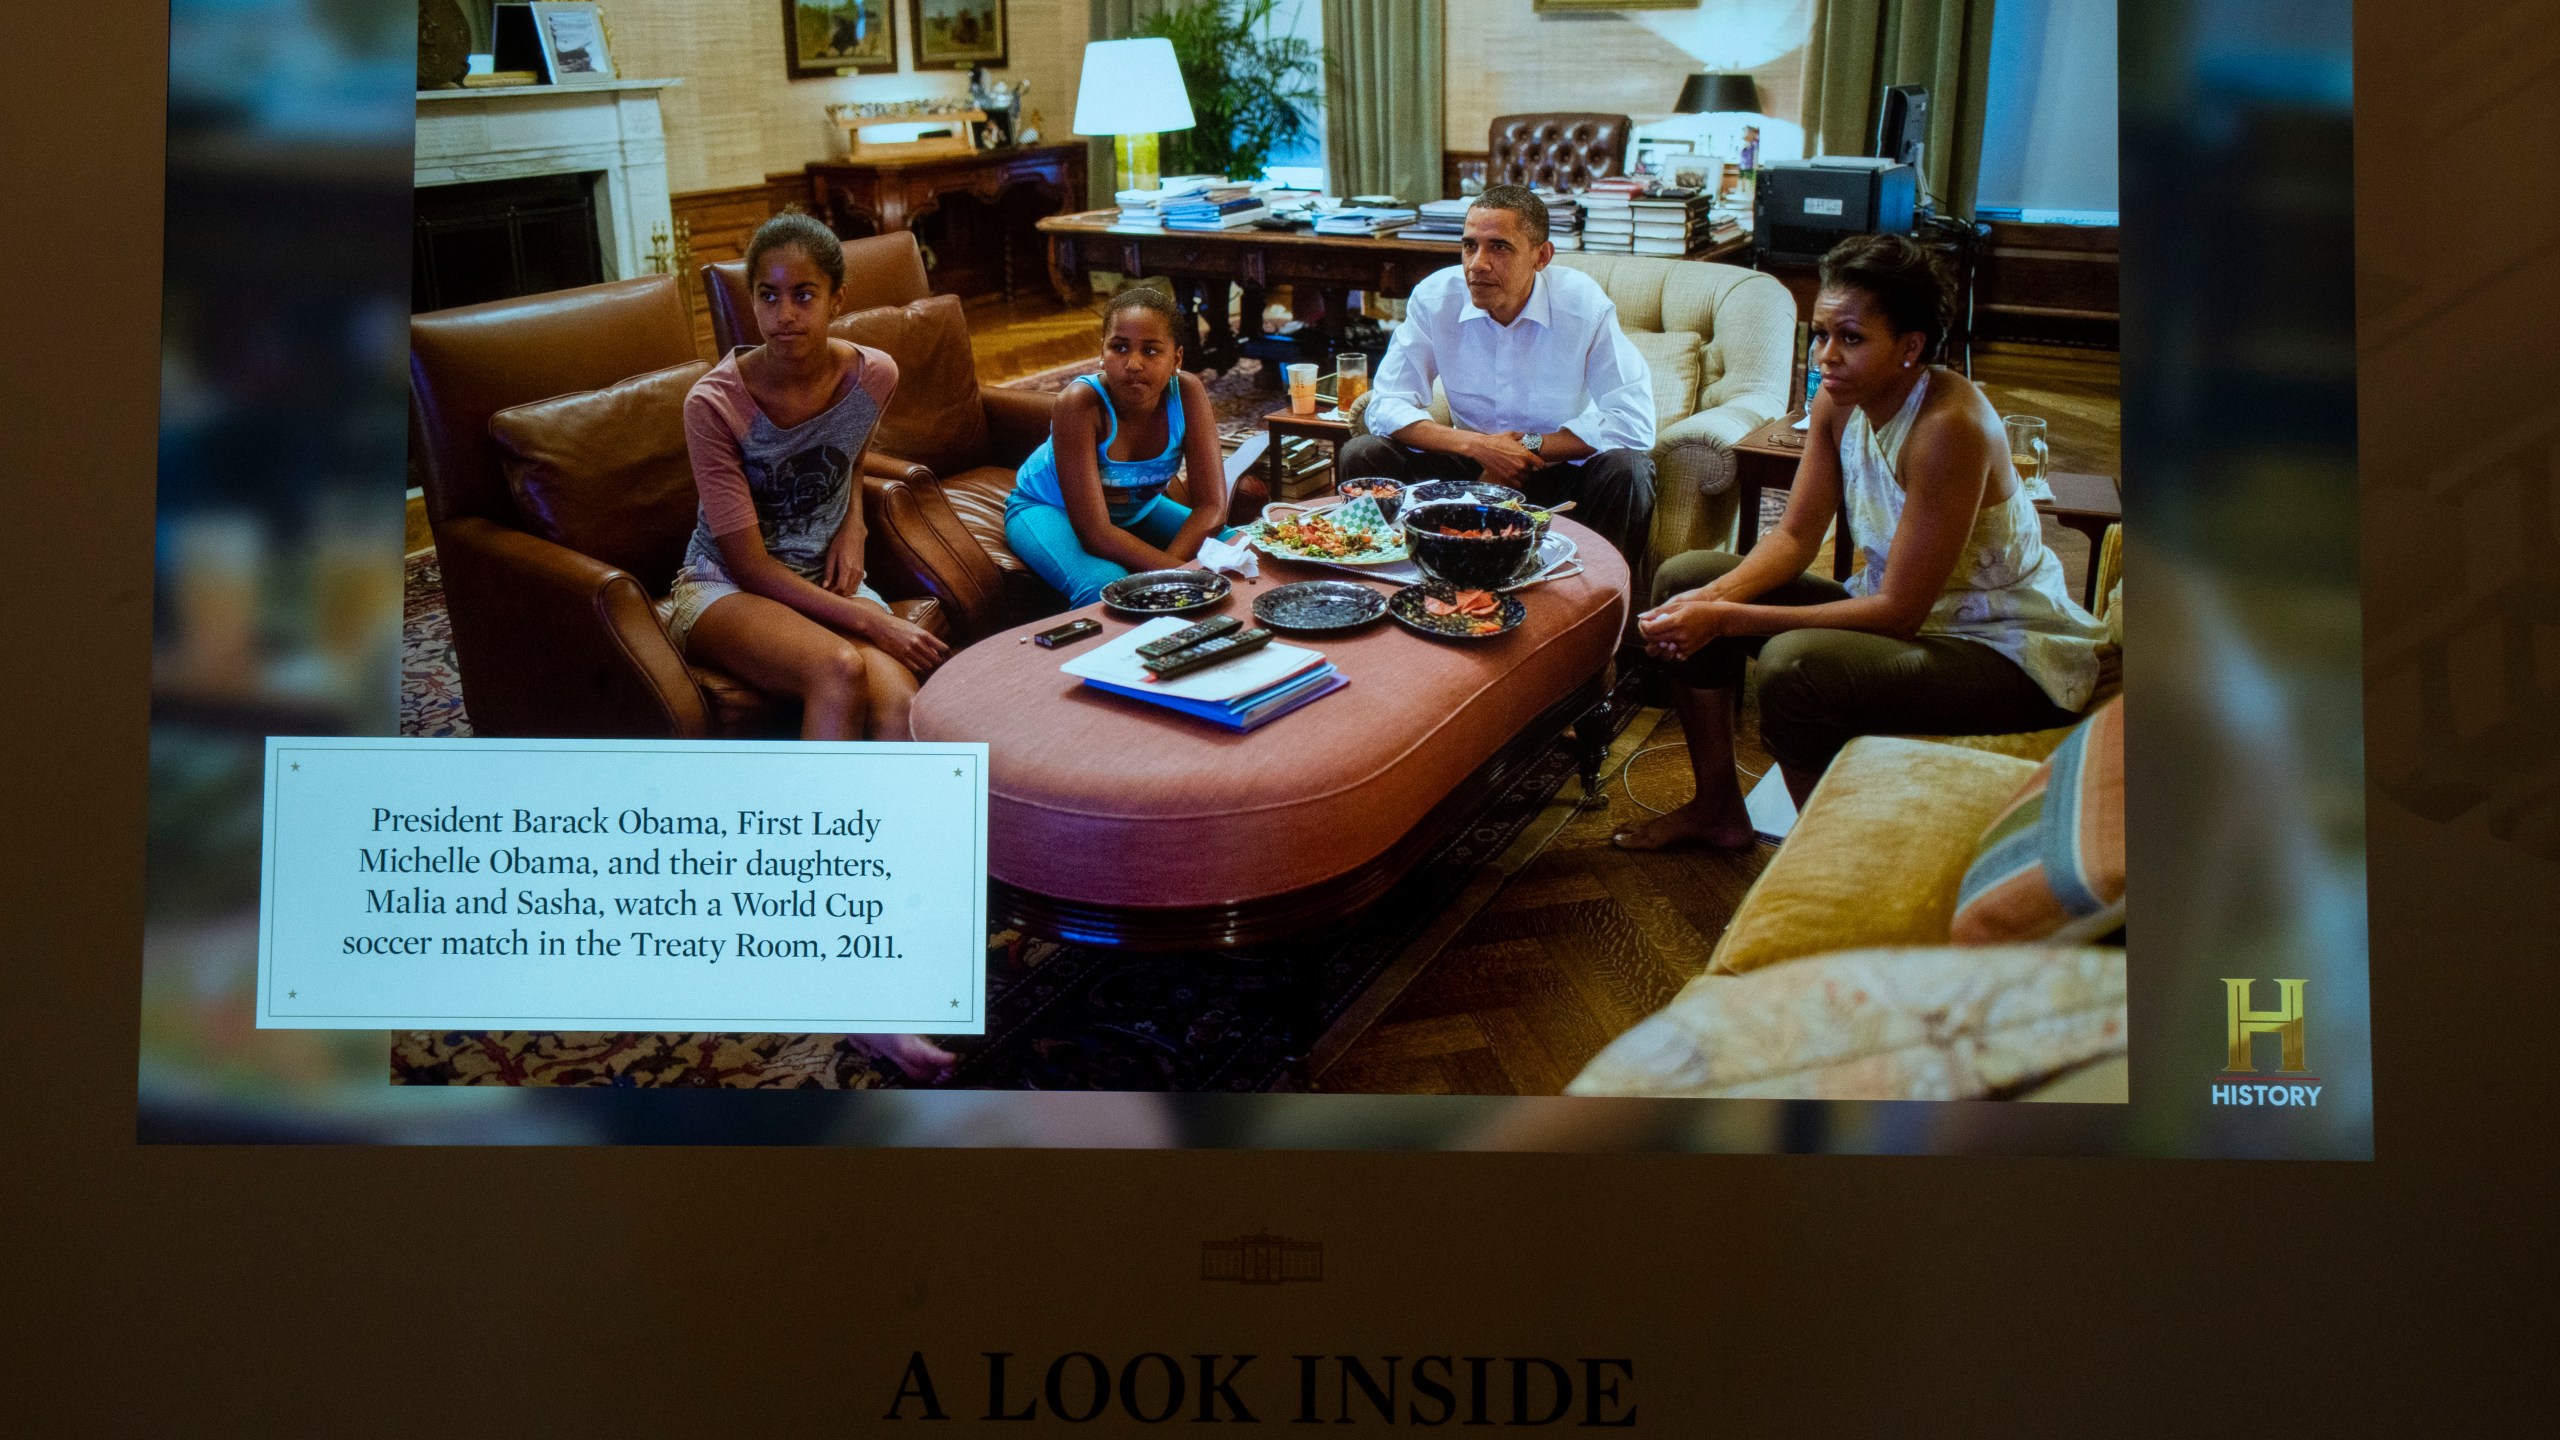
<point>1131,87</point>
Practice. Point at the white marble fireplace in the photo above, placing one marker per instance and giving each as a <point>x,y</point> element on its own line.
<point>612,129</point>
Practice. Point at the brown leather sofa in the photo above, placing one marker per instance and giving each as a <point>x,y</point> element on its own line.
<point>1560,151</point>
<point>557,640</point>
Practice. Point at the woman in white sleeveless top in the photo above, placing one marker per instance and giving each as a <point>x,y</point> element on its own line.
<point>1959,623</point>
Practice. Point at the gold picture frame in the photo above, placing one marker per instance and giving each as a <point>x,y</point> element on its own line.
<point>823,39</point>
<point>959,33</point>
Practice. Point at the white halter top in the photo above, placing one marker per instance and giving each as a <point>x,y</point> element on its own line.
<point>2007,591</point>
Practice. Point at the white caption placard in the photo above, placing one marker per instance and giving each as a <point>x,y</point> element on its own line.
<point>623,885</point>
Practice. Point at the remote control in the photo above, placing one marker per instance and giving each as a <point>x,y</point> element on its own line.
<point>1188,636</point>
<point>1200,657</point>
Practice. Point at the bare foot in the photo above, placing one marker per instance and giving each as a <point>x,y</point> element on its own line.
<point>1688,825</point>
<point>920,1058</point>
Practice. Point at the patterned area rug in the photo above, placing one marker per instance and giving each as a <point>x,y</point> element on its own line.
<point>430,685</point>
<point>1060,1017</point>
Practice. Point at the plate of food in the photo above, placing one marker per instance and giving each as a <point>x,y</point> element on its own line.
<point>1352,533</point>
<point>1319,607</point>
<point>1448,612</point>
<point>1149,593</point>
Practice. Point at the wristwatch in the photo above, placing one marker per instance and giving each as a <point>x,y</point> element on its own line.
<point>1533,443</point>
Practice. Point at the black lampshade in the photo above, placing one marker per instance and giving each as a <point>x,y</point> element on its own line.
<point>1730,92</point>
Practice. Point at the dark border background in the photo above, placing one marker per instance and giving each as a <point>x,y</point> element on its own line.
<point>318,1289</point>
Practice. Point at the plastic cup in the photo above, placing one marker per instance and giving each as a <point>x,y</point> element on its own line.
<point>1302,389</point>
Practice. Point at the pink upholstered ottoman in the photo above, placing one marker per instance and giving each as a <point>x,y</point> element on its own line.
<point>1115,822</point>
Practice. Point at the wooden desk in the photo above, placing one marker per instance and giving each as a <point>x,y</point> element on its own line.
<point>1199,261</point>
<point>1766,460</point>
<point>975,251</point>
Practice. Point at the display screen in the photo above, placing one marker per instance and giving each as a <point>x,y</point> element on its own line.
<point>1687,635</point>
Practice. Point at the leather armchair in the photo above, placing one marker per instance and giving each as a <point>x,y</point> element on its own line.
<point>1560,151</point>
<point>550,640</point>
<point>878,270</point>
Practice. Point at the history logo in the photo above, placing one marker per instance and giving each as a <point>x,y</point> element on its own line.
<point>2241,1082</point>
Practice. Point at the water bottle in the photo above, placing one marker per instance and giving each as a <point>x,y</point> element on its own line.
<point>1812,374</point>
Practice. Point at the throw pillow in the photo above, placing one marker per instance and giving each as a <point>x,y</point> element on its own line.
<point>1673,358</point>
<point>935,419</point>
<point>605,472</point>
<point>2051,868</point>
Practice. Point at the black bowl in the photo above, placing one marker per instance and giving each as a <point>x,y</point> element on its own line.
<point>1389,495</point>
<point>1482,491</point>
<point>1478,562</point>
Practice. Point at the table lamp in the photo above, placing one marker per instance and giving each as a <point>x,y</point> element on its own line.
<point>1726,93</point>
<point>1131,90</point>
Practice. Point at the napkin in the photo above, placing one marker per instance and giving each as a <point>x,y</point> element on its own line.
<point>1236,559</point>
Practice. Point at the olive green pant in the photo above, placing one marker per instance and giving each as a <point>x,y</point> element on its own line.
<point>1820,689</point>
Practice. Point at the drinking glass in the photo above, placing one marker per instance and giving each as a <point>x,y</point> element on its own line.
<point>1302,388</point>
<point>1351,379</point>
<point>2028,449</point>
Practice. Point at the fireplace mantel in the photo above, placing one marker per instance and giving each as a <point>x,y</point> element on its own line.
<point>611,128</point>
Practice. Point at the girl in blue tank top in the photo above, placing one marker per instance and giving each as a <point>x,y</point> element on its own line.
<point>1089,505</point>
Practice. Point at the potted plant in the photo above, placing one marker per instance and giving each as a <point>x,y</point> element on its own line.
<point>1248,86</point>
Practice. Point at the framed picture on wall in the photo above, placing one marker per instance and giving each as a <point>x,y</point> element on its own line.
<point>958,32</point>
<point>822,39</point>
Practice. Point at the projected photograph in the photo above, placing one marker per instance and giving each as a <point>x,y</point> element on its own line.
<point>1609,638</point>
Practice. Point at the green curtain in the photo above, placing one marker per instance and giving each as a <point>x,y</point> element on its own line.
<point>1861,46</point>
<point>1382,101</point>
<point>1112,20</point>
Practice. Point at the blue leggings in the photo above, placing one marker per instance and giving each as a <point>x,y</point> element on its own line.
<point>1046,540</point>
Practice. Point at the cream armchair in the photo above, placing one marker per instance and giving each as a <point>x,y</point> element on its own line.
<point>1720,341</point>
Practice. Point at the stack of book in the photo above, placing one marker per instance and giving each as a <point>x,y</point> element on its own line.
<point>1669,221</point>
<point>1241,694</point>
<point>1225,207</point>
<point>1564,219</point>
<point>1607,223</point>
<point>1362,220</point>
<point>1144,209</point>
<point>1439,220</point>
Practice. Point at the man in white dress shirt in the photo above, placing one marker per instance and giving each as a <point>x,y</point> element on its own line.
<point>1547,396</point>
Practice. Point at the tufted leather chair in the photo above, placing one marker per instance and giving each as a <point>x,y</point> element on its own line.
<point>1561,151</point>
<point>550,639</point>
<point>878,270</point>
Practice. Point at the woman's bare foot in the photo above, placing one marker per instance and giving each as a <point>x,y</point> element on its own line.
<point>1691,824</point>
<point>920,1058</point>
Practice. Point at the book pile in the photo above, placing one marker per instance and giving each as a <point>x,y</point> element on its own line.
<point>1669,221</point>
<point>1241,694</point>
<point>1564,219</point>
<point>1607,223</point>
<point>1362,220</point>
<point>1144,209</point>
<point>1439,220</point>
<point>1223,207</point>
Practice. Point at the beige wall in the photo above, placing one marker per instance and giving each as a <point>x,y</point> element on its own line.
<point>1504,58</point>
<point>738,117</point>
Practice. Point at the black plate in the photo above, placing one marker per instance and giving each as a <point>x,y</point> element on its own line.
<point>1318,607</point>
<point>1406,606</point>
<point>1166,592</point>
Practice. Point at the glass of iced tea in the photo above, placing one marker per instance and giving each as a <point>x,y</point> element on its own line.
<point>1351,379</point>
<point>2029,450</point>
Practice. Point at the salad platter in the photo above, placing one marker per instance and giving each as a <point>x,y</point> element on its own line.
<point>1352,535</point>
